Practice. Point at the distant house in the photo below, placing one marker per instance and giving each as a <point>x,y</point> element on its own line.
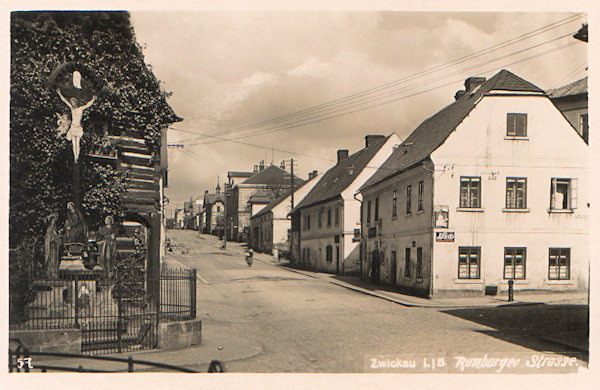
<point>214,212</point>
<point>492,188</point>
<point>179,218</point>
<point>572,101</point>
<point>270,226</point>
<point>326,222</point>
<point>266,184</point>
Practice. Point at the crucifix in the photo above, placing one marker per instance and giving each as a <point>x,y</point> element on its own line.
<point>75,129</point>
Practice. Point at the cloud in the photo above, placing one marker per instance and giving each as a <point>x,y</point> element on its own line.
<point>231,69</point>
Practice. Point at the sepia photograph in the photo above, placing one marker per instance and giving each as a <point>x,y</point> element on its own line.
<point>313,191</point>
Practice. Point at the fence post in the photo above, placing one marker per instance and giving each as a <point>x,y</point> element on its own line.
<point>119,309</point>
<point>76,301</point>
<point>193,293</point>
<point>129,364</point>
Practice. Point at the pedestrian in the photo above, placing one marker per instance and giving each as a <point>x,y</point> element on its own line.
<point>249,255</point>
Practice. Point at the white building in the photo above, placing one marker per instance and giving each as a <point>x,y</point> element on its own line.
<point>493,187</point>
<point>269,227</point>
<point>329,216</point>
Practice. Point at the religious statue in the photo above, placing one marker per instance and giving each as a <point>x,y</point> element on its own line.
<point>52,246</point>
<point>75,130</point>
<point>75,227</point>
<point>107,244</point>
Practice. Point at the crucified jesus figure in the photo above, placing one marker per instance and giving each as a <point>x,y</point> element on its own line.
<point>75,131</point>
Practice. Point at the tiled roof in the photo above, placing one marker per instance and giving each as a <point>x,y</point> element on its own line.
<point>340,176</point>
<point>278,200</point>
<point>272,175</point>
<point>575,88</point>
<point>261,197</point>
<point>430,134</point>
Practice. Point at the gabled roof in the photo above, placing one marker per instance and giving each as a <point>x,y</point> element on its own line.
<point>278,200</point>
<point>261,197</point>
<point>213,198</point>
<point>272,175</point>
<point>578,87</point>
<point>340,176</point>
<point>430,134</point>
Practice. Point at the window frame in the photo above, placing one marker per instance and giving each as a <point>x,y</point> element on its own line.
<point>395,203</point>
<point>408,199</point>
<point>515,193</point>
<point>513,128</point>
<point>584,125</point>
<point>329,253</point>
<point>557,265</point>
<point>469,250</point>
<point>328,217</point>
<point>376,212</point>
<point>470,203</point>
<point>421,190</point>
<point>369,211</point>
<point>514,264</point>
<point>570,196</point>
<point>337,216</point>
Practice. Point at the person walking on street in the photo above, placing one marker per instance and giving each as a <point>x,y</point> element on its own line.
<point>249,255</point>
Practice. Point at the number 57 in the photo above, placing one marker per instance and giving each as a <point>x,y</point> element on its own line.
<point>21,362</point>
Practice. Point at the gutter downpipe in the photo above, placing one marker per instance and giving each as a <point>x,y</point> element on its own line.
<point>432,229</point>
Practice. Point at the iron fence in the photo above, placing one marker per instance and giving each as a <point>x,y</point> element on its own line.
<point>113,316</point>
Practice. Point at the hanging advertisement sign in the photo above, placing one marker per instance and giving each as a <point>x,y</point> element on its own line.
<point>440,216</point>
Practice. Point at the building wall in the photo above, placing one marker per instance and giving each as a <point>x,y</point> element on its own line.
<point>479,147</point>
<point>572,107</point>
<point>396,233</point>
<point>316,239</point>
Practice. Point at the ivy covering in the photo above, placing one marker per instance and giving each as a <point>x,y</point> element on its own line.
<point>129,97</point>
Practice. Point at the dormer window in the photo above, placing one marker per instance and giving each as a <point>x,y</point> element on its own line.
<point>516,125</point>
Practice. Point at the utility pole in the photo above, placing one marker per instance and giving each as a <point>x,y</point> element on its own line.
<point>292,178</point>
<point>225,203</point>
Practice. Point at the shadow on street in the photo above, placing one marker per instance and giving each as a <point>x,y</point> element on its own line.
<point>555,328</point>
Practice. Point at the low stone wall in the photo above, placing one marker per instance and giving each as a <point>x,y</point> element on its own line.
<point>60,340</point>
<point>180,334</point>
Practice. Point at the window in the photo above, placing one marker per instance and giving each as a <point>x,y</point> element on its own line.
<point>394,203</point>
<point>407,263</point>
<point>369,212</point>
<point>516,125</point>
<point>468,262</point>
<point>563,194</point>
<point>470,192</point>
<point>559,262</point>
<point>329,253</point>
<point>420,196</point>
<point>320,221</point>
<point>408,199</point>
<point>419,262</point>
<point>357,234</point>
<point>337,216</point>
<point>376,209</point>
<point>308,254</point>
<point>514,263</point>
<point>328,217</point>
<point>583,126</point>
<point>516,193</point>
<point>308,222</point>
<point>218,209</point>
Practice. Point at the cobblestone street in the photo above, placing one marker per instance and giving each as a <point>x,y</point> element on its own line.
<point>268,319</point>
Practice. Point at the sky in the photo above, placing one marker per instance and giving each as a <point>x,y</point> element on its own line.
<point>231,69</point>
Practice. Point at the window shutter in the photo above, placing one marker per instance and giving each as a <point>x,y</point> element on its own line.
<point>573,194</point>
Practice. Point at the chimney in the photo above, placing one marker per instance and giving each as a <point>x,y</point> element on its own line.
<point>373,139</point>
<point>312,175</point>
<point>473,82</point>
<point>459,94</point>
<point>261,165</point>
<point>342,154</point>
